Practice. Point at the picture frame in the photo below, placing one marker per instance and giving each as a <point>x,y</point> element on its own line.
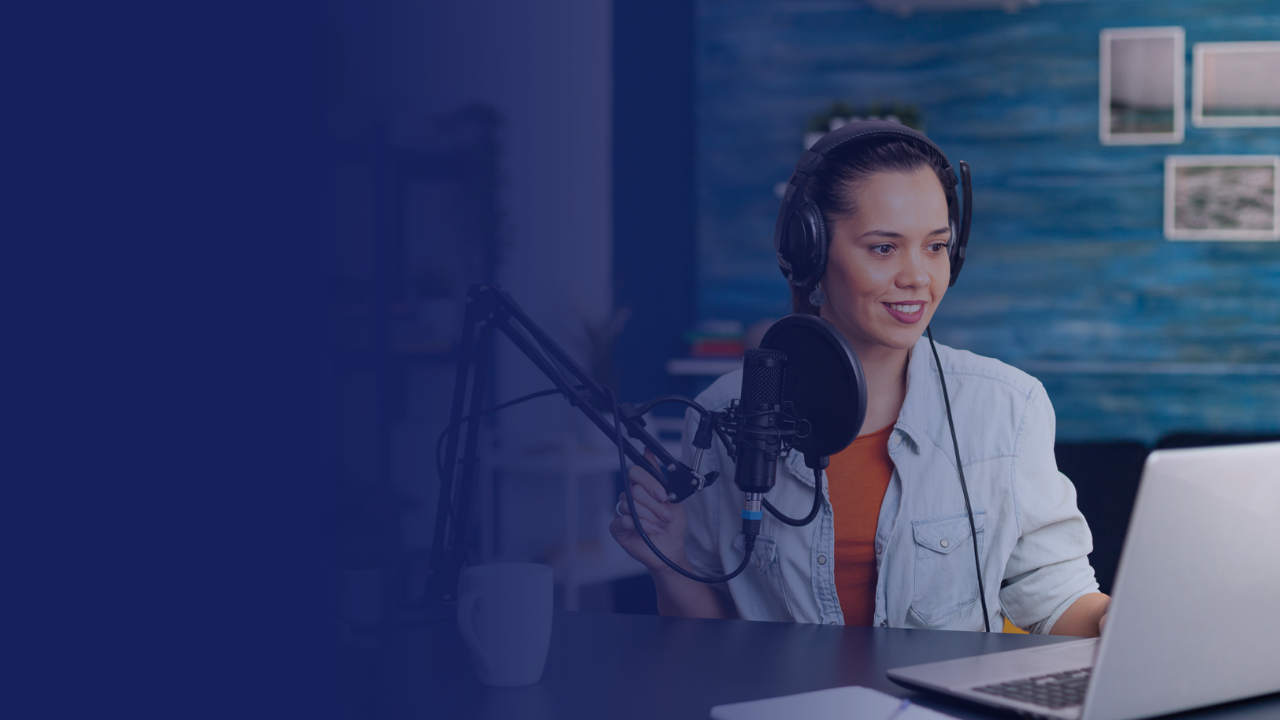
<point>1222,197</point>
<point>1234,84</point>
<point>1141,86</point>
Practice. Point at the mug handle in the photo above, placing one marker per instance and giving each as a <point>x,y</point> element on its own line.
<point>466,607</point>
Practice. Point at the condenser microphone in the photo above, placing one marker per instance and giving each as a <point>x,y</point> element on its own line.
<point>759,433</point>
<point>759,425</point>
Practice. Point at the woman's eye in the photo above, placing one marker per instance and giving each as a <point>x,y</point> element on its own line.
<point>881,249</point>
<point>939,247</point>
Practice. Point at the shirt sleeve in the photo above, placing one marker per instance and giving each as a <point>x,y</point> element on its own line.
<point>1049,567</point>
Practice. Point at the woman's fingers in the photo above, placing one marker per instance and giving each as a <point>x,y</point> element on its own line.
<point>628,525</point>
<point>649,483</point>
<point>660,509</point>
<point>661,521</point>
<point>646,506</point>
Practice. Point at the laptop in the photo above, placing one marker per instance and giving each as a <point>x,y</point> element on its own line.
<point>1195,611</point>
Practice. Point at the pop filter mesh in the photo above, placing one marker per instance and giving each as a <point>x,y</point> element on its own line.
<point>823,379</point>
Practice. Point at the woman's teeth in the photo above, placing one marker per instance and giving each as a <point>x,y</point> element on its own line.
<point>908,309</point>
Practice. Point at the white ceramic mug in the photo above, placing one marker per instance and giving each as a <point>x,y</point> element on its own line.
<point>504,613</point>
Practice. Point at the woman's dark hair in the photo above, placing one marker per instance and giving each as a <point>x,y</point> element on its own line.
<point>845,170</point>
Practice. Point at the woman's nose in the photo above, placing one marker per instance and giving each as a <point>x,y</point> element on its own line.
<point>914,272</point>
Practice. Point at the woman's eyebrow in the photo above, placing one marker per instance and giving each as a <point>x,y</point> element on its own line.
<point>892,234</point>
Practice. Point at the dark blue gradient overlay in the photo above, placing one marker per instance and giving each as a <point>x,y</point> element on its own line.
<point>236,238</point>
<point>162,197</point>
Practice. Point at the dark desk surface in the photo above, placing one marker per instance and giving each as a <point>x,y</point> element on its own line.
<point>638,666</point>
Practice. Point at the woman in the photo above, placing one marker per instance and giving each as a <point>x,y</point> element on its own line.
<point>892,546</point>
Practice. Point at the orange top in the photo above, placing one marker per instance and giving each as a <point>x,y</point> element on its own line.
<point>857,479</point>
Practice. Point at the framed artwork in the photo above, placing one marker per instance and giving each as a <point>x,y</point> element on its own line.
<point>1236,84</point>
<point>1221,197</point>
<point>1142,73</point>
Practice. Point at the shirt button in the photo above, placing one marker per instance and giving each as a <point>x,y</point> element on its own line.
<point>943,542</point>
<point>833,622</point>
<point>822,559</point>
<point>879,548</point>
<point>884,623</point>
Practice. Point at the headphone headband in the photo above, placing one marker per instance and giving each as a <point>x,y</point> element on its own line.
<point>800,235</point>
<point>861,131</point>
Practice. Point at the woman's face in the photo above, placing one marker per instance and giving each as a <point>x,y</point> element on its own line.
<point>887,266</point>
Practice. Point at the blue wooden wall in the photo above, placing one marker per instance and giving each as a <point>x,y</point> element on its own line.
<point>1068,275</point>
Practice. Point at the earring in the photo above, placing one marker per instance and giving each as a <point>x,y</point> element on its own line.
<point>817,297</point>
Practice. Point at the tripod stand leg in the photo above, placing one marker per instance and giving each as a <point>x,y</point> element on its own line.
<point>470,465</point>
<point>448,547</point>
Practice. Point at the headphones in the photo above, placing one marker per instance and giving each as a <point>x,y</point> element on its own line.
<point>800,237</point>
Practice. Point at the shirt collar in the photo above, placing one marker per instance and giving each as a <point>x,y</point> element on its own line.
<point>922,395</point>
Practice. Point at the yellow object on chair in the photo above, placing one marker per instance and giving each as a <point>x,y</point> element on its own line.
<point>1011,628</point>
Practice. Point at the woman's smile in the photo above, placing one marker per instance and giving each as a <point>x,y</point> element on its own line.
<point>909,311</point>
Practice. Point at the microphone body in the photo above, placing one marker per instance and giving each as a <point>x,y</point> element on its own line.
<point>759,439</point>
<point>759,436</point>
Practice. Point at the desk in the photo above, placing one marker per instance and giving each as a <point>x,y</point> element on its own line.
<point>654,668</point>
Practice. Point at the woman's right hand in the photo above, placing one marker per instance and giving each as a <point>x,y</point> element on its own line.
<point>663,521</point>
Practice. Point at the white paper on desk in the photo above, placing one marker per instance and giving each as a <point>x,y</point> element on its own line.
<point>842,703</point>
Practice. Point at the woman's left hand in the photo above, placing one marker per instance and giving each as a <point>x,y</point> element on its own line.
<point>1085,617</point>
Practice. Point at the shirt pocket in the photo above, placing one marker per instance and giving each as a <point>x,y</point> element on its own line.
<point>761,592</point>
<point>945,577</point>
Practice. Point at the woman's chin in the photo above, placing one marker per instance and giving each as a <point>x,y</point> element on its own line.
<point>900,338</point>
<point>869,333</point>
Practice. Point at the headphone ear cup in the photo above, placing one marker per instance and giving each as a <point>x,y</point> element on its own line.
<point>804,245</point>
<point>953,253</point>
<point>810,223</point>
<point>816,227</point>
<point>960,230</point>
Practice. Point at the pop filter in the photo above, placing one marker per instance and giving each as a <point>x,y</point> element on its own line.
<point>823,379</point>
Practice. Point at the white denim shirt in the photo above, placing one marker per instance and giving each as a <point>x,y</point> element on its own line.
<point>1032,539</point>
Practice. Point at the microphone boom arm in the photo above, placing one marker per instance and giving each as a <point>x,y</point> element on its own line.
<point>489,308</point>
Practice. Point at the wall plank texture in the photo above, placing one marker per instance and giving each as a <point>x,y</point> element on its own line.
<point>1068,274</point>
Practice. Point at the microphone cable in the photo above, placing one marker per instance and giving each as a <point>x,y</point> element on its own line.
<point>453,427</point>
<point>813,512</point>
<point>647,406</point>
<point>982,594</point>
<point>749,541</point>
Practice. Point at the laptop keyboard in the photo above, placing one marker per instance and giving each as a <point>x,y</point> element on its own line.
<point>1058,690</point>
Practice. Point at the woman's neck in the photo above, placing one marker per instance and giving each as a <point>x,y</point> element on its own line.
<point>886,373</point>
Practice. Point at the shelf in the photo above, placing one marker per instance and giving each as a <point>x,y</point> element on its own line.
<point>552,460</point>
<point>1139,367</point>
<point>597,569</point>
<point>596,565</point>
<point>424,350</point>
<point>705,367</point>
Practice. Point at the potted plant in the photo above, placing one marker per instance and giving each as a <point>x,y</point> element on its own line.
<point>841,113</point>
